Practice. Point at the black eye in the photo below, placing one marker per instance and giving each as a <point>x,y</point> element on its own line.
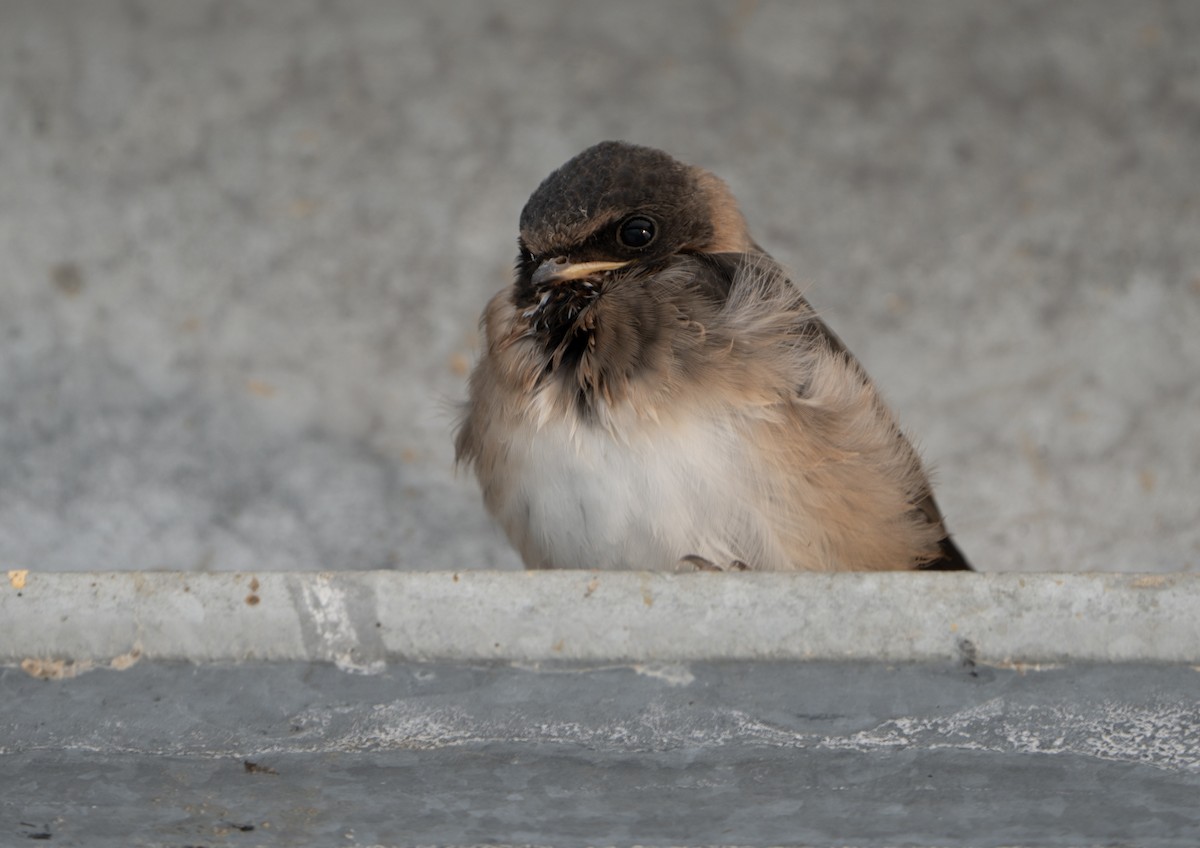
<point>636,232</point>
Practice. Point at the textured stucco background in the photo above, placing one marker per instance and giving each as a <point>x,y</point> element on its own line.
<point>243,248</point>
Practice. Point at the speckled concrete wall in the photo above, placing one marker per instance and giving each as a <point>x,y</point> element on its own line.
<point>243,248</point>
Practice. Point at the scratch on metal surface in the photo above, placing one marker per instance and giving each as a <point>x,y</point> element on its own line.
<point>672,674</point>
<point>405,725</point>
<point>1164,736</point>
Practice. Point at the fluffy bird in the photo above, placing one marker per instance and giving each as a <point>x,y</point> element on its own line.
<point>655,393</point>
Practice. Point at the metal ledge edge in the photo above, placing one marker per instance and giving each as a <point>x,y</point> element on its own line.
<point>360,620</point>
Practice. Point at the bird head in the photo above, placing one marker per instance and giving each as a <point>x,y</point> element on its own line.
<point>618,207</point>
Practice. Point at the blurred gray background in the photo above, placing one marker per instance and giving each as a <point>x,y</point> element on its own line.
<point>243,248</point>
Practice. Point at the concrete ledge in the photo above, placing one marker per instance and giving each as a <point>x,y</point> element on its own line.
<point>360,620</point>
<point>241,730</point>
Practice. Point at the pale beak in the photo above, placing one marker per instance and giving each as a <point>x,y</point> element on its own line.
<point>559,270</point>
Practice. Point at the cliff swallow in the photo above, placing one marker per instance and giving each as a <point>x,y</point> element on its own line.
<point>655,393</point>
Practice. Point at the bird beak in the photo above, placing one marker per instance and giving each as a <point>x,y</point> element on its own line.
<point>559,270</point>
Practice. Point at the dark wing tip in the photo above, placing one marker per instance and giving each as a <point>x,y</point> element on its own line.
<point>952,559</point>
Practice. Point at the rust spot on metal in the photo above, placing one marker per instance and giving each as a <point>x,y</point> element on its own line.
<point>125,661</point>
<point>54,669</point>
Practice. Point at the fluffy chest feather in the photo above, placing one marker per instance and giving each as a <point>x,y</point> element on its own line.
<point>581,496</point>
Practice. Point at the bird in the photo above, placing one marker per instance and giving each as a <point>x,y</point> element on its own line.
<point>655,393</point>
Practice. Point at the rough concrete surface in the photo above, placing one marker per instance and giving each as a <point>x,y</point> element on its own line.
<point>574,708</point>
<point>243,247</point>
<point>297,754</point>
<point>58,625</point>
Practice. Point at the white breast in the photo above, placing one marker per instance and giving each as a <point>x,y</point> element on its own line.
<point>580,497</point>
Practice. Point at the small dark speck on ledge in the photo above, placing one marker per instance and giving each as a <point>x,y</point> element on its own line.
<point>67,278</point>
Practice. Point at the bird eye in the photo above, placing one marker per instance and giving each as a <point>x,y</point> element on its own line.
<point>636,232</point>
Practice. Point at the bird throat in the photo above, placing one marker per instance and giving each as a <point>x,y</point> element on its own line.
<point>562,318</point>
<point>597,337</point>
